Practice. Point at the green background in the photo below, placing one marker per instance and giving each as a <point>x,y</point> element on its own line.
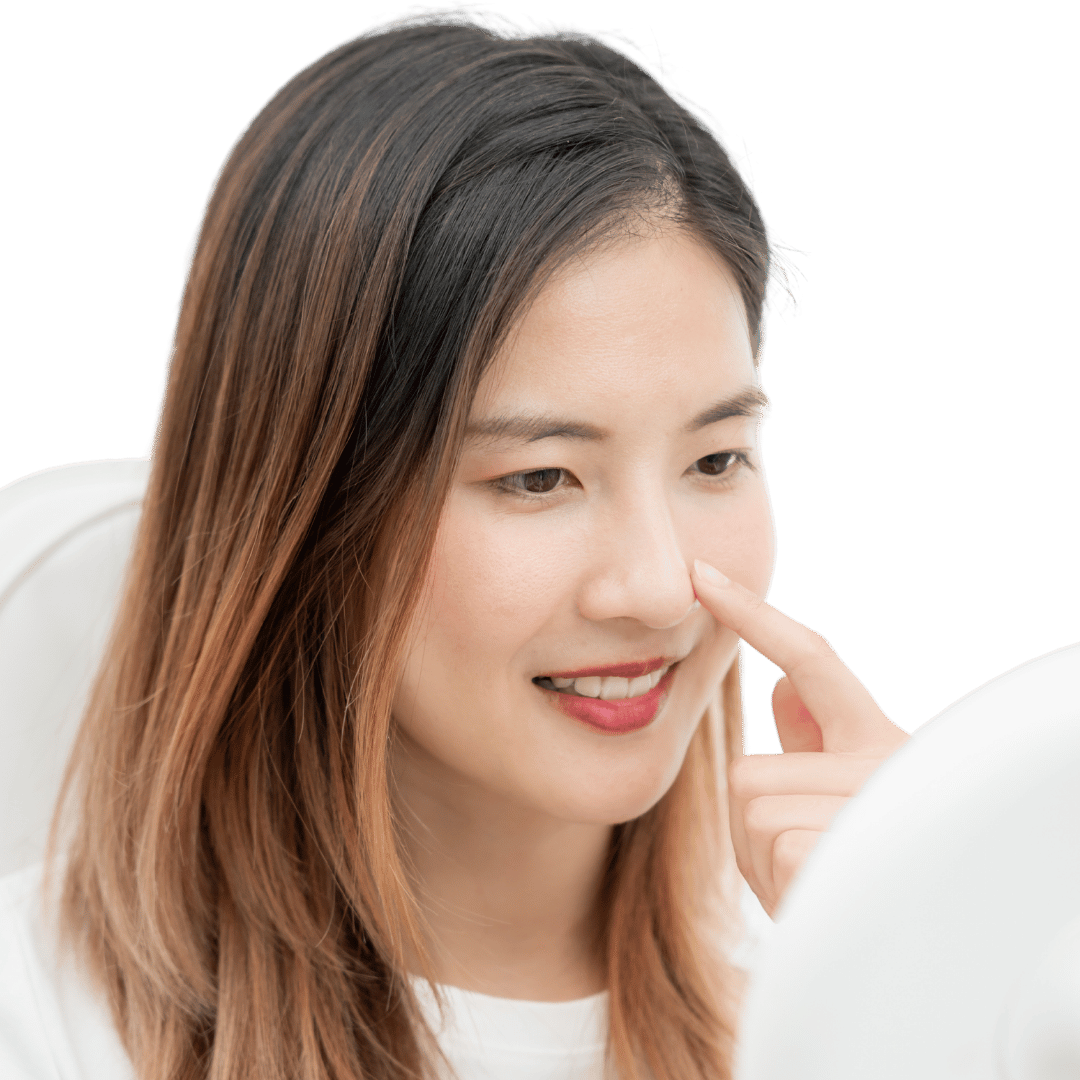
<point>922,450</point>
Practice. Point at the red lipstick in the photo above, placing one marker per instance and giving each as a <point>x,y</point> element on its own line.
<point>627,671</point>
<point>619,716</point>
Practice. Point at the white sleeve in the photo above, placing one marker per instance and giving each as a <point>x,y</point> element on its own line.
<point>25,1052</point>
<point>758,929</point>
<point>53,1025</point>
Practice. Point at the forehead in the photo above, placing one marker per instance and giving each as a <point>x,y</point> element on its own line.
<point>660,315</point>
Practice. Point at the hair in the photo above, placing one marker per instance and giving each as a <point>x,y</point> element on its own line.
<point>232,862</point>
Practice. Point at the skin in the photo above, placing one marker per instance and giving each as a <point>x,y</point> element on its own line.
<point>831,730</point>
<point>509,803</point>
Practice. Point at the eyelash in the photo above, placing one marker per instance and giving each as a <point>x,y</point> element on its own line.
<point>507,485</point>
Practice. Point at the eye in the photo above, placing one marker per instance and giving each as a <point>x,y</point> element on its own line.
<point>719,464</point>
<point>538,483</point>
<point>534,482</point>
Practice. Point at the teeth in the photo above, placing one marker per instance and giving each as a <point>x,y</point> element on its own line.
<point>614,687</point>
<point>588,686</point>
<point>611,687</point>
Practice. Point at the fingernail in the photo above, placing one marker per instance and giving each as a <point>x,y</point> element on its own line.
<point>709,573</point>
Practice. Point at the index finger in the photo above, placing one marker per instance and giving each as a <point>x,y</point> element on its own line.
<point>849,718</point>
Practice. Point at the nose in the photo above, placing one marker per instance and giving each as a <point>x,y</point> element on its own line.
<point>638,569</point>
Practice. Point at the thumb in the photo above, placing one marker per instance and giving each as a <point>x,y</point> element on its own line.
<point>798,730</point>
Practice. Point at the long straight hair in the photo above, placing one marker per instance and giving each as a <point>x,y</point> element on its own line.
<point>233,870</point>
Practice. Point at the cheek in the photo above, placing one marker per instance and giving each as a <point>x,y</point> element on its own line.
<point>494,583</point>
<point>742,543</point>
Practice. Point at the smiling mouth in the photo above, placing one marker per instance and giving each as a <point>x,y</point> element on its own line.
<point>604,687</point>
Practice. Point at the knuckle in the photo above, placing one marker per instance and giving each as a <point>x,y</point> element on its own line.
<point>791,849</point>
<point>816,645</point>
<point>755,604</point>
<point>785,855</point>
<point>757,817</point>
<point>813,650</point>
<point>741,778</point>
<point>784,848</point>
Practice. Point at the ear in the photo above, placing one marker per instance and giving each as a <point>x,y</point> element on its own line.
<point>798,730</point>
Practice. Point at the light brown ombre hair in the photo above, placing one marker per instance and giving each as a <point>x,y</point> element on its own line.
<point>232,867</point>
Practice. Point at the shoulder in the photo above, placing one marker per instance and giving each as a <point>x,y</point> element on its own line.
<point>53,1026</point>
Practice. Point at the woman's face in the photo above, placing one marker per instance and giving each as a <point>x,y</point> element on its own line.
<point>613,441</point>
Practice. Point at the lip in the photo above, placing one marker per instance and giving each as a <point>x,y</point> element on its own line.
<point>627,671</point>
<point>618,717</point>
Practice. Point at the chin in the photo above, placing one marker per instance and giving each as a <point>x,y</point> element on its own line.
<point>612,794</point>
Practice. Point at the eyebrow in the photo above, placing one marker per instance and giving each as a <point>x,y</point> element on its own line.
<point>750,401</point>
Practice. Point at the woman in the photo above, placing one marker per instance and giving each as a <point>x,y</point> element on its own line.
<point>412,701</point>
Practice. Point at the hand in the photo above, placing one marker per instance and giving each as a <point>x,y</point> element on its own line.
<point>833,734</point>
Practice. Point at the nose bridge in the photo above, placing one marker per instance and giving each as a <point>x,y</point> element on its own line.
<point>640,570</point>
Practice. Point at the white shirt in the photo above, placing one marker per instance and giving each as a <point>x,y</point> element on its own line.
<point>54,1024</point>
